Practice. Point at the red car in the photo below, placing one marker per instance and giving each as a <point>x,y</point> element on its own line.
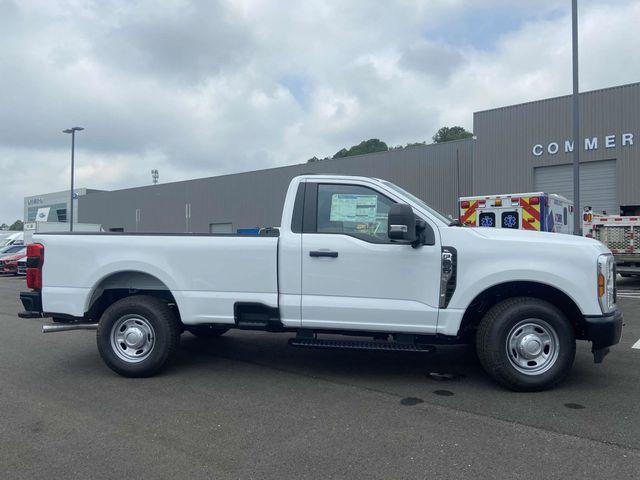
<point>10,264</point>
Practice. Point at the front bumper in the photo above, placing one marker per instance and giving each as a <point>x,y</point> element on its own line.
<point>603,331</point>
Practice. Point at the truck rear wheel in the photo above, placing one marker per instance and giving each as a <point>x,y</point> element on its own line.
<point>526,344</point>
<point>137,336</point>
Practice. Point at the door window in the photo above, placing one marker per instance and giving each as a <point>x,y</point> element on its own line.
<point>353,210</point>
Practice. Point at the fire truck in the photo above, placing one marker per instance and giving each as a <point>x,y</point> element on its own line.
<point>621,235</point>
<point>539,211</point>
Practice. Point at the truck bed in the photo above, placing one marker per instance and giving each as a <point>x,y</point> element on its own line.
<point>207,274</point>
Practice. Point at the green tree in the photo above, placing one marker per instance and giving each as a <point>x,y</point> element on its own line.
<point>316,159</point>
<point>17,225</point>
<point>4,226</point>
<point>446,134</point>
<point>366,146</point>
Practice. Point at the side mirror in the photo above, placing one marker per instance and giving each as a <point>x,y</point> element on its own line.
<point>401,224</point>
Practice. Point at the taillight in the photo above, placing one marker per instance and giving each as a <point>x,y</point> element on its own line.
<point>34,278</point>
<point>498,202</point>
<point>464,204</point>
<point>534,201</point>
<point>35,260</point>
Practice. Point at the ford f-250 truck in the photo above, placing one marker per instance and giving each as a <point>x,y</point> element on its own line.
<point>355,256</point>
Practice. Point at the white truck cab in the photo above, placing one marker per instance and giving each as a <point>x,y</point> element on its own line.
<point>353,255</point>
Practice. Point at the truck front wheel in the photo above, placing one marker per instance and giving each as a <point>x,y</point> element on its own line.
<point>137,336</point>
<point>526,344</point>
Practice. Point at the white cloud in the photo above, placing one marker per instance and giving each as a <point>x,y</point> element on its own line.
<point>201,88</point>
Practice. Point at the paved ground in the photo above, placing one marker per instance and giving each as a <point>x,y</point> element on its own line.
<point>247,406</point>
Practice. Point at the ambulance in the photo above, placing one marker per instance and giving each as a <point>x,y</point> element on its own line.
<point>539,211</point>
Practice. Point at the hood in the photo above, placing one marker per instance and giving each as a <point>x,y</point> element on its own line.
<point>556,240</point>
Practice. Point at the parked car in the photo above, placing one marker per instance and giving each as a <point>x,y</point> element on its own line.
<point>13,238</point>
<point>22,266</point>
<point>10,264</point>
<point>10,250</point>
<point>353,255</point>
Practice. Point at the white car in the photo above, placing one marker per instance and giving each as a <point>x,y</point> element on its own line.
<point>354,256</point>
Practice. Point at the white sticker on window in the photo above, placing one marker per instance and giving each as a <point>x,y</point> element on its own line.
<point>353,208</point>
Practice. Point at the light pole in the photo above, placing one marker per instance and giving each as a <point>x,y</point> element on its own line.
<point>72,131</point>
<point>577,211</point>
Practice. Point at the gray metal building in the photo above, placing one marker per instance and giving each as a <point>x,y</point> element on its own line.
<point>225,203</point>
<point>528,147</point>
<point>518,148</point>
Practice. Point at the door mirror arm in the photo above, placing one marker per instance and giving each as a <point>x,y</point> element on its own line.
<point>424,234</point>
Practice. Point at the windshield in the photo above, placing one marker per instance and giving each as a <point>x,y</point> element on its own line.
<point>417,201</point>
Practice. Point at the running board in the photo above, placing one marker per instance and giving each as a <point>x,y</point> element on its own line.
<point>361,345</point>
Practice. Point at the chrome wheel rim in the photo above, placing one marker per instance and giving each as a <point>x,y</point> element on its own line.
<point>132,338</point>
<point>532,346</point>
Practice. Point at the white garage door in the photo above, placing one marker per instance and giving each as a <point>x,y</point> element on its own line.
<point>597,184</point>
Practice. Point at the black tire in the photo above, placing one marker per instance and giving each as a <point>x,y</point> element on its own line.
<point>503,322</point>
<point>161,339</point>
<point>206,332</point>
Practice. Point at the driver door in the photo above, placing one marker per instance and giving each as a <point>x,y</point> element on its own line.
<point>353,276</point>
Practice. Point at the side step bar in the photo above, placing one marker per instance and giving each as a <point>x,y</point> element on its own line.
<point>66,327</point>
<point>361,345</point>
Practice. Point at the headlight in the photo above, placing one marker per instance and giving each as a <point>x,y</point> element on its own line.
<point>606,283</point>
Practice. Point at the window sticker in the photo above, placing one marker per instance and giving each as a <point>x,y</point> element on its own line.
<point>353,208</point>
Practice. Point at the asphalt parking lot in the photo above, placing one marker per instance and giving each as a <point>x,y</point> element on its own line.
<point>248,406</point>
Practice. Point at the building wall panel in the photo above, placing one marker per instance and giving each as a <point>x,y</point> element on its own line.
<point>434,173</point>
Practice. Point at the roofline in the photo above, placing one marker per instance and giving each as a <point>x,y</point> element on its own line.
<point>60,192</point>
<point>542,100</point>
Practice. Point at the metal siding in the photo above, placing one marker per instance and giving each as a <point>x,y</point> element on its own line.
<point>505,136</point>
<point>255,199</point>
<point>597,184</point>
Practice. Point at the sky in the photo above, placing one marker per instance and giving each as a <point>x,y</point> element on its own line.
<point>202,88</point>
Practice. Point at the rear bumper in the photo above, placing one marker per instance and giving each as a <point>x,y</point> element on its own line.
<point>32,303</point>
<point>603,331</point>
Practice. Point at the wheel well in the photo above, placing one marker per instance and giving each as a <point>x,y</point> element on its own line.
<point>127,284</point>
<point>494,295</point>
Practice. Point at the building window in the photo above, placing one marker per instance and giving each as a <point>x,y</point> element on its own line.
<point>62,214</point>
<point>55,211</point>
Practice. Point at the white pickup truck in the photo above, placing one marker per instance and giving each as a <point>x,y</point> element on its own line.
<point>354,256</point>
